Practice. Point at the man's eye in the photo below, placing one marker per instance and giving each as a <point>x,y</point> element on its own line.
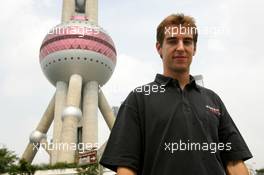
<point>172,41</point>
<point>188,42</point>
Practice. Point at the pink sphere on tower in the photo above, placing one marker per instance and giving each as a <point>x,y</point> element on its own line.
<point>78,46</point>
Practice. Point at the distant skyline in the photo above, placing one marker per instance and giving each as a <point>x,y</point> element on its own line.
<point>229,57</point>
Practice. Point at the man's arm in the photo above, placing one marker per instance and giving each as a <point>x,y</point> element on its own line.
<point>236,168</point>
<point>125,171</point>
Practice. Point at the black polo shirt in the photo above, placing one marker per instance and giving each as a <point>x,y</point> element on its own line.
<point>163,130</point>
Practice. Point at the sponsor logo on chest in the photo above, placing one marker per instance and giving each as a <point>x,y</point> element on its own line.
<point>213,110</point>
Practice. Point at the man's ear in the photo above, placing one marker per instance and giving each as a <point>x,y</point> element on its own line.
<point>159,49</point>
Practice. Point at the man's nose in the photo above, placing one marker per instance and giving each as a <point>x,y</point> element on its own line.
<point>180,46</point>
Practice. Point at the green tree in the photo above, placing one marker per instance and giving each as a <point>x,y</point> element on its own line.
<point>7,160</point>
<point>260,171</point>
<point>9,164</point>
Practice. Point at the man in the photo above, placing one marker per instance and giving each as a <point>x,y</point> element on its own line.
<point>180,128</point>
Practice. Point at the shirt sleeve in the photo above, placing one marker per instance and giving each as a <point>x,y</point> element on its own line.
<point>124,144</point>
<point>229,134</point>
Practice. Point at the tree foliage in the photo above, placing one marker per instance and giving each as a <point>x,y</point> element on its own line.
<point>9,164</point>
<point>260,171</point>
<point>7,160</point>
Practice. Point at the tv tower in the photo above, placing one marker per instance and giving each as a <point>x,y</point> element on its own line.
<point>77,57</point>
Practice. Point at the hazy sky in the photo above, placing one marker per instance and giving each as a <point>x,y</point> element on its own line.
<point>229,57</point>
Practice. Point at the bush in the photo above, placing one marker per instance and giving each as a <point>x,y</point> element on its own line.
<point>8,160</point>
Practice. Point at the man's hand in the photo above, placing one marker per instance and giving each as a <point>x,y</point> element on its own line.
<point>236,168</point>
<point>125,171</point>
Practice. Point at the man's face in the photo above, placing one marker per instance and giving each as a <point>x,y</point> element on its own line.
<point>177,49</point>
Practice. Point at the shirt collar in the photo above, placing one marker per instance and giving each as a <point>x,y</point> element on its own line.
<point>161,79</point>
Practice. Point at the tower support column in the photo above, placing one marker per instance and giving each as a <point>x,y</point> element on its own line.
<point>68,10</point>
<point>70,117</point>
<point>91,10</point>
<point>90,117</point>
<point>40,132</point>
<point>106,110</point>
<point>60,100</point>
